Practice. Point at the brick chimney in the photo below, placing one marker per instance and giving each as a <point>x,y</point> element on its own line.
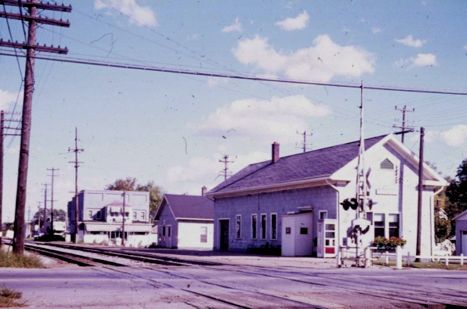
<point>204,189</point>
<point>275,155</point>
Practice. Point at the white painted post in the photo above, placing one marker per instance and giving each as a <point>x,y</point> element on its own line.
<point>386,258</point>
<point>446,261</point>
<point>398,257</point>
<point>462,259</point>
<point>407,261</point>
<point>368,258</point>
<point>338,258</point>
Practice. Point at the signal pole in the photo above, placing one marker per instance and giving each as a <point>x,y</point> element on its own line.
<point>404,128</point>
<point>52,175</point>
<point>76,162</point>
<point>226,162</point>
<point>2,138</point>
<point>32,18</point>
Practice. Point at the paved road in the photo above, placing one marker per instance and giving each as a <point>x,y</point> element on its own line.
<point>235,286</point>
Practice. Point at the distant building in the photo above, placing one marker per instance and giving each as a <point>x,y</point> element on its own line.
<point>461,233</point>
<point>292,203</point>
<point>101,217</point>
<point>185,222</point>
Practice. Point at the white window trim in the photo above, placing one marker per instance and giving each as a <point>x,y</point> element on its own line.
<point>265,226</point>
<point>270,218</point>
<point>321,212</point>
<point>256,226</point>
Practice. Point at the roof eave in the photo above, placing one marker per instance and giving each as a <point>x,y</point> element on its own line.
<point>299,184</point>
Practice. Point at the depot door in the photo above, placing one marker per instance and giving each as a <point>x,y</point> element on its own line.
<point>224,234</point>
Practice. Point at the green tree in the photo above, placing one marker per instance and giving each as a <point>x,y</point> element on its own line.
<point>456,194</point>
<point>130,184</point>
<point>59,215</point>
<point>127,184</point>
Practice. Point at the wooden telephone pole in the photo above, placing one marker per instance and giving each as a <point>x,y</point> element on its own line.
<point>76,162</point>
<point>33,18</point>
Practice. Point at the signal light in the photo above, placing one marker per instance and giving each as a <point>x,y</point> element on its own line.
<point>350,203</point>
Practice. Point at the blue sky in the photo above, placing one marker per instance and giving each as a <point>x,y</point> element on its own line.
<point>173,129</point>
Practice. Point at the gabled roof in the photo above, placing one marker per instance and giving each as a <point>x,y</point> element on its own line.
<point>184,206</point>
<point>459,216</point>
<point>315,164</point>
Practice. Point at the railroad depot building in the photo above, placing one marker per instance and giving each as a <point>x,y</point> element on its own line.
<point>101,217</point>
<point>185,222</point>
<point>292,203</point>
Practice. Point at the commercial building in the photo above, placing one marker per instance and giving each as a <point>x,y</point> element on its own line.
<point>106,216</point>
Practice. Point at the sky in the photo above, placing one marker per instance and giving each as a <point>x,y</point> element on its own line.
<point>173,129</point>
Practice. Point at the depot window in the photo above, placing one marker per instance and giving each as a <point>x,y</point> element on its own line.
<point>264,219</point>
<point>254,226</point>
<point>238,226</point>
<point>273,226</point>
<point>393,221</point>
<point>378,220</point>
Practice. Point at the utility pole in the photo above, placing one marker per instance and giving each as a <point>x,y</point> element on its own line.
<point>76,162</point>
<point>45,207</point>
<point>123,220</point>
<point>420,192</point>
<point>2,138</point>
<point>32,18</point>
<point>305,135</point>
<point>404,128</point>
<point>226,162</point>
<point>52,176</point>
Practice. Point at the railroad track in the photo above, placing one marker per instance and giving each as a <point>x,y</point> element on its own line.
<point>138,256</point>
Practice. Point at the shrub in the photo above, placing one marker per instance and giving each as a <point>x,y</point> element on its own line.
<point>385,244</point>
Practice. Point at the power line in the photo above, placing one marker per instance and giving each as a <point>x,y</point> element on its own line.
<point>174,70</point>
<point>11,37</point>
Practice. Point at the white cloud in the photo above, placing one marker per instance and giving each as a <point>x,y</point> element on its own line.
<point>139,15</point>
<point>294,23</point>
<point>6,99</point>
<point>235,27</point>
<point>411,41</point>
<point>456,136</point>
<point>376,30</point>
<point>276,119</point>
<point>421,60</point>
<point>465,47</point>
<point>319,62</point>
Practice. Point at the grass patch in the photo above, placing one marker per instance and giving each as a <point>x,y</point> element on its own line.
<point>8,259</point>
<point>10,298</point>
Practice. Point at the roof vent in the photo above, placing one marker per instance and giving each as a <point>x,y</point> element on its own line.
<point>275,152</point>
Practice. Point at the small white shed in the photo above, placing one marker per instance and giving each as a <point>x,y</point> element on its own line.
<point>461,233</point>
